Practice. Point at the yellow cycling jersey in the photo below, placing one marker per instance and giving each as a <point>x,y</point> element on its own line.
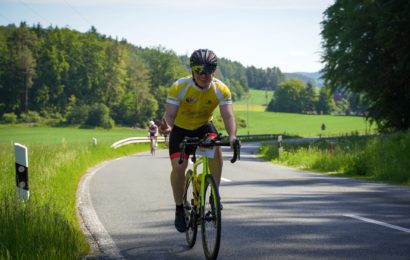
<point>196,105</point>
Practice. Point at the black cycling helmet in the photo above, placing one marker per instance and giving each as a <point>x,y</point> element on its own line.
<point>203,61</point>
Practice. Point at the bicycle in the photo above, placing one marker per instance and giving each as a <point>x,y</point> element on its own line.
<point>153,145</point>
<point>198,187</point>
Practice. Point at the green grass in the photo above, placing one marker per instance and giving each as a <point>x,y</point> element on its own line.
<point>250,109</point>
<point>54,135</point>
<point>300,124</point>
<point>256,97</point>
<point>381,158</point>
<point>46,227</point>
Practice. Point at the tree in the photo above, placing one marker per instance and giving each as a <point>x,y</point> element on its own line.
<point>309,98</point>
<point>287,97</point>
<point>164,68</point>
<point>325,103</point>
<point>22,47</point>
<point>366,51</point>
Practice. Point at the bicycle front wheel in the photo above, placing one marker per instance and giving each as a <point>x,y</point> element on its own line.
<point>152,144</point>
<point>190,210</point>
<point>211,219</point>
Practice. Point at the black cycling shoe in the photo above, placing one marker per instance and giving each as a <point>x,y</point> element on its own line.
<point>180,224</point>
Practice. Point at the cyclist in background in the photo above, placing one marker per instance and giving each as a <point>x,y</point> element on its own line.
<point>163,129</point>
<point>153,132</point>
<point>190,105</point>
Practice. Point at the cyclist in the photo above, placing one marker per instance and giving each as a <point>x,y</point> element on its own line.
<point>153,132</point>
<point>190,105</point>
<point>163,130</point>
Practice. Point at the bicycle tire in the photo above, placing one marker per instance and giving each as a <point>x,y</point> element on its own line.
<point>190,210</point>
<point>211,219</point>
<point>152,145</point>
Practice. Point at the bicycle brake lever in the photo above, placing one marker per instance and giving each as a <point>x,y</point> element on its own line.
<point>236,151</point>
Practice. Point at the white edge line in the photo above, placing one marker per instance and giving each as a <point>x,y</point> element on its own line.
<point>368,220</point>
<point>225,179</point>
<point>98,237</point>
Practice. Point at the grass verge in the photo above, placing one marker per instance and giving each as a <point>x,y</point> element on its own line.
<point>380,158</point>
<point>46,227</point>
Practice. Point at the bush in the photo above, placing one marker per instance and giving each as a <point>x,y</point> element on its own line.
<point>78,115</point>
<point>9,118</point>
<point>99,115</point>
<point>31,117</point>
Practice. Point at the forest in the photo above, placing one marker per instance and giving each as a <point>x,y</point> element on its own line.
<point>90,79</point>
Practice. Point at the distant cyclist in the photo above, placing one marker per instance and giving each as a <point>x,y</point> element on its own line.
<point>191,102</point>
<point>163,129</point>
<point>153,132</point>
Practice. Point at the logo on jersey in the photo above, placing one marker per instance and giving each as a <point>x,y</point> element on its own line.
<point>191,100</point>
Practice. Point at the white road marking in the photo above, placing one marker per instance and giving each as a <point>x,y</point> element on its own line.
<point>91,224</point>
<point>378,222</point>
<point>225,179</point>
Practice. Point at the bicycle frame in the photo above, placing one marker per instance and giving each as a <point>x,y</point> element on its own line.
<point>205,171</point>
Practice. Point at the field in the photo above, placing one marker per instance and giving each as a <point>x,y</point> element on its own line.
<point>49,135</point>
<point>250,109</point>
<point>299,124</point>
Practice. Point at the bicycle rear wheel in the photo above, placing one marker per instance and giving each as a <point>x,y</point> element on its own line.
<point>190,210</point>
<point>211,219</point>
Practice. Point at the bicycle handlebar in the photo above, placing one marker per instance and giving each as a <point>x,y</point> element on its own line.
<point>209,143</point>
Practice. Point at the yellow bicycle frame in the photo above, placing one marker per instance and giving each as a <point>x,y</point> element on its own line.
<point>205,171</point>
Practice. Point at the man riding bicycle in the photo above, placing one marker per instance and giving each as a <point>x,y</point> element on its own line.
<point>153,132</point>
<point>191,103</point>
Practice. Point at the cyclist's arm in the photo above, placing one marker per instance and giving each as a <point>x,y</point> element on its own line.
<point>229,121</point>
<point>170,114</point>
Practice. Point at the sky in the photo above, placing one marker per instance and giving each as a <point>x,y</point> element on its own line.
<point>260,33</point>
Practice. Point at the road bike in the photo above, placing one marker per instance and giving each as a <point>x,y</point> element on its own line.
<point>201,201</point>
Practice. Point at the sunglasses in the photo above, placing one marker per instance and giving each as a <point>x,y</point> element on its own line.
<point>201,69</point>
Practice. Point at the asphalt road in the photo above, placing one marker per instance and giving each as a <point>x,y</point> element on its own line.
<point>270,212</point>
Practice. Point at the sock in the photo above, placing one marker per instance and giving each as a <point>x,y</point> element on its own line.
<point>179,207</point>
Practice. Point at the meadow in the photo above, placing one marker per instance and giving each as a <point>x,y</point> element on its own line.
<point>252,110</point>
<point>26,134</point>
<point>46,226</point>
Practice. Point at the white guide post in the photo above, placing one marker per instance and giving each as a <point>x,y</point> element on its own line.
<point>21,154</point>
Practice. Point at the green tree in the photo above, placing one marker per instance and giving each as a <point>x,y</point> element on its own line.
<point>22,47</point>
<point>309,98</point>
<point>287,97</point>
<point>164,68</point>
<point>325,103</point>
<point>366,51</point>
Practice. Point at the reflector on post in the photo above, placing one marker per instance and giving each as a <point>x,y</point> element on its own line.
<point>21,156</point>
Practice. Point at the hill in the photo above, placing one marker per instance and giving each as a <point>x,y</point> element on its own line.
<point>312,77</point>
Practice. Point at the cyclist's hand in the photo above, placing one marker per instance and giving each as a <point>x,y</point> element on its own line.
<point>164,128</point>
<point>232,140</point>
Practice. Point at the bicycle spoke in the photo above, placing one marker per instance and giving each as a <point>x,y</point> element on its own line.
<point>211,219</point>
<point>190,211</point>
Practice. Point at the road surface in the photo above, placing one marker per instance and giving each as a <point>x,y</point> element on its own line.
<point>270,212</point>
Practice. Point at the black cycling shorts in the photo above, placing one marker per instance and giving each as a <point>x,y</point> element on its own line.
<point>178,134</point>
